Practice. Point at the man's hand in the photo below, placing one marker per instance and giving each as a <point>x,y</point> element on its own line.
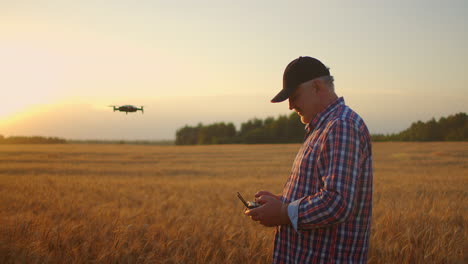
<point>272,211</point>
<point>261,193</point>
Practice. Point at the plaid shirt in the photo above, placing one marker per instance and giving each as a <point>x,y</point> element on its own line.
<point>330,192</point>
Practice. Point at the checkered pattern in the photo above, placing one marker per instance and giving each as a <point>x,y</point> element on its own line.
<point>332,174</point>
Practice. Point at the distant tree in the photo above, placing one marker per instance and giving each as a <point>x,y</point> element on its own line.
<point>218,133</point>
<point>451,128</point>
<point>187,135</point>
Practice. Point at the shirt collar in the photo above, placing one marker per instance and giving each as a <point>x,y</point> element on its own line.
<point>324,114</point>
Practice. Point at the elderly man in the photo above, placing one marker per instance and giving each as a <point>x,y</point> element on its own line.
<point>324,212</point>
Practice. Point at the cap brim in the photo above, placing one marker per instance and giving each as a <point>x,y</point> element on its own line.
<point>281,96</point>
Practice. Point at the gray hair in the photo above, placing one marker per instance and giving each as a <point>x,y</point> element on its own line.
<point>329,80</point>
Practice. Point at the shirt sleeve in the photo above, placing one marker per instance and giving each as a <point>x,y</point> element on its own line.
<point>293,212</point>
<point>335,201</point>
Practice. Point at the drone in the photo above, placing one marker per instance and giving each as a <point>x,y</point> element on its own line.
<point>127,108</point>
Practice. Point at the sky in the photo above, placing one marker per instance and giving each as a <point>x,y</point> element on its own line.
<point>62,63</point>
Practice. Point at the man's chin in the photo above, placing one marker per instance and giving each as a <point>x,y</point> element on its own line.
<point>304,120</point>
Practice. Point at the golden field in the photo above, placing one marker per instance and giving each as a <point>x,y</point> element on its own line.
<point>177,204</point>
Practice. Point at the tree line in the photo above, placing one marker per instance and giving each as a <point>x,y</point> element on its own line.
<point>289,129</point>
<point>56,140</point>
<point>451,128</point>
<point>284,129</point>
<point>121,141</point>
<point>31,140</point>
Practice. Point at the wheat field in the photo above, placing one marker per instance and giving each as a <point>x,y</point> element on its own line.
<point>177,204</point>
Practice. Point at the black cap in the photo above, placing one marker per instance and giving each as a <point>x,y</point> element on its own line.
<point>298,71</point>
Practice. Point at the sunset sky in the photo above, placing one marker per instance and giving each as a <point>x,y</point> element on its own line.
<point>63,62</point>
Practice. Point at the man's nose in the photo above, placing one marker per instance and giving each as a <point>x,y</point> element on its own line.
<point>291,106</point>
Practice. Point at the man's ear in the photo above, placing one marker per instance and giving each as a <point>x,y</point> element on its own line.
<point>320,86</point>
<point>317,86</point>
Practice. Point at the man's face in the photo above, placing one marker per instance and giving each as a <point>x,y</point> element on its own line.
<point>304,100</point>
